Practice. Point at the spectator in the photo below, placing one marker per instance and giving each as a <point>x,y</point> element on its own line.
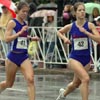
<point>4,19</point>
<point>97,21</point>
<point>67,14</point>
<point>95,13</point>
<point>31,10</point>
<point>50,35</point>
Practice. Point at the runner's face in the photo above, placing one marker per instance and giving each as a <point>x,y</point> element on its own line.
<point>80,13</point>
<point>23,13</point>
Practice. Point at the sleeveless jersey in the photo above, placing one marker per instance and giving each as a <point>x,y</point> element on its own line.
<point>20,44</point>
<point>80,41</point>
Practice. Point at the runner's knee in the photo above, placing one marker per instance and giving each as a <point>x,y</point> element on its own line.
<point>30,80</point>
<point>86,79</point>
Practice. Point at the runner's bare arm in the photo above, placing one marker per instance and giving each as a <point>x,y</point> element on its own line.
<point>9,30</point>
<point>94,35</point>
<point>63,31</point>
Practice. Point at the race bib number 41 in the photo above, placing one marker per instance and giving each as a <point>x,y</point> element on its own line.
<point>22,43</point>
<point>80,43</point>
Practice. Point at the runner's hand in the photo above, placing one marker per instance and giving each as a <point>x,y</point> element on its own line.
<point>67,41</point>
<point>24,28</point>
<point>36,38</point>
<point>82,29</point>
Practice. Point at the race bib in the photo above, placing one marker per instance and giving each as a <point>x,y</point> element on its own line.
<point>80,43</point>
<point>22,43</point>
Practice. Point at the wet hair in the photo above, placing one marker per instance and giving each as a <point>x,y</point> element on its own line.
<point>21,4</point>
<point>76,5</point>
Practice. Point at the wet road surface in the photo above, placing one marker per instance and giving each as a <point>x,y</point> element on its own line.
<point>47,88</point>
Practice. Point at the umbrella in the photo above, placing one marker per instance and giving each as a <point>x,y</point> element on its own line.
<point>10,5</point>
<point>0,8</point>
<point>48,6</point>
<point>42,13</point>
<point>90,6</point>
<point>39,13</point>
